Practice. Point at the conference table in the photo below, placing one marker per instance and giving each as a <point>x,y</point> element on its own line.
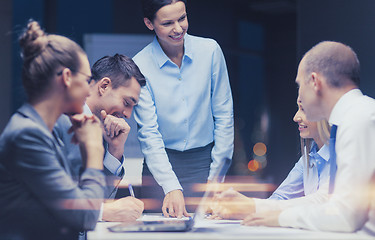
<point>219,230</point>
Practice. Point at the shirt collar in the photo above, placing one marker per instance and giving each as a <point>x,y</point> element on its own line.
<point>188,47</point>
<point>162,58</point>
<point>86,109</point>
<point>342,106</point>
<point>323,153</point>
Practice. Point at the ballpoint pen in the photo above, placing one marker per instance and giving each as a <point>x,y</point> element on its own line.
<point>131,190</point>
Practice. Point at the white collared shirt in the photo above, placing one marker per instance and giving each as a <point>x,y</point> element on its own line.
<point>350,207</point>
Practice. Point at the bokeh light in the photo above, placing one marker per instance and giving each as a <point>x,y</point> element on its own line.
<point>262,160</point>
<point>253,165</point>
<point>260,149</point>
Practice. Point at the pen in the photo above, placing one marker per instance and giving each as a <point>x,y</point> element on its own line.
<point>131,190</point>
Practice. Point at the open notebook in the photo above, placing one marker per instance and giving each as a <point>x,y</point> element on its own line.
<point>147,224</point>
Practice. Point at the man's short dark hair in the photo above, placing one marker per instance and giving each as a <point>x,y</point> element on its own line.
<point>119,68</point>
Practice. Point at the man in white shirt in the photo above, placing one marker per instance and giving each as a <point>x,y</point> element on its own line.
<point>114,90</point>
<point>328,80</point>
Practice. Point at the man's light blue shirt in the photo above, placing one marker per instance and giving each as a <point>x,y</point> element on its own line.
<point>184,108</point>
<point>302,180</point>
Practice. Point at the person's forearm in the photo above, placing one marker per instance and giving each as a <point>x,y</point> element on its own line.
<point>93,153</point>
<point>117,152</point>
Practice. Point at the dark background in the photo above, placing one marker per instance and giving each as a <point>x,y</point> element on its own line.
<point>262,40</point>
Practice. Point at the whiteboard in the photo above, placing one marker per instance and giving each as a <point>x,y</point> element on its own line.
<point>100,45</point>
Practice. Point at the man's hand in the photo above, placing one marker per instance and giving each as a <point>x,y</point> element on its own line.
<point>174,205</point>
<point>115,133</point>
<point>122,210</point>
<point>270,219</point>
<point>231,204</point>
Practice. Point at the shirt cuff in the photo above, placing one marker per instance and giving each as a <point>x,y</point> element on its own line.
<point>265,205</point>
<point>287,217</point>
<point>171,186</point>
<point>100,219</point>
<point>259,207</point>
<point>113,164</point>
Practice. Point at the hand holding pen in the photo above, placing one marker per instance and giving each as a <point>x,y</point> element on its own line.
<point>131,190</point>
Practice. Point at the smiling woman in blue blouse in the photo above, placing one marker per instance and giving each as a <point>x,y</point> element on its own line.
<point>185,112</point>
<point>310,172</point>
<point>307,182</point>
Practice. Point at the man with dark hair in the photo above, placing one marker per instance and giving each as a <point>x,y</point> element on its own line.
<point>328,80</point>
<point>114,91</point>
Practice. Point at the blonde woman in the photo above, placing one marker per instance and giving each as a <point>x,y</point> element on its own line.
<point>306,182</point>
<point>311,171</point>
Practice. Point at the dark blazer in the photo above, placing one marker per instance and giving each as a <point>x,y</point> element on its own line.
<point>38,198</point>
<point>73,154</point>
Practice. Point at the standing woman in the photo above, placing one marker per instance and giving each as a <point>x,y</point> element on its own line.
<point>185,112</point>
<point>38,198</point>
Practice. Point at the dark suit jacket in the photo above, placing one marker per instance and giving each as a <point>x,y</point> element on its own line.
<point>38,198</point>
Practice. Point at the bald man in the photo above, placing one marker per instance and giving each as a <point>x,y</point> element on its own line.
<point>328,80</point>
